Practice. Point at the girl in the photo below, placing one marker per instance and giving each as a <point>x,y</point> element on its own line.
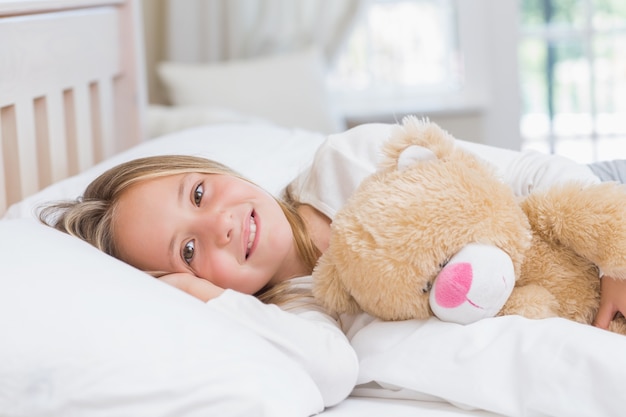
<point>182,217</point>
<point>206,230</point>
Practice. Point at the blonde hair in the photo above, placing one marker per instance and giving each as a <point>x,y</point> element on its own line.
<point>91,216</point>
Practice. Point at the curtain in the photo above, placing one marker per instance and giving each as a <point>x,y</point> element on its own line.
<point>217,30</point>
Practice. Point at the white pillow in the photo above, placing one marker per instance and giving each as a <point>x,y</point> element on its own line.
<point>286,89</point>
<point>86,335</point>
<point>269,155</point>
<point>162,120</point>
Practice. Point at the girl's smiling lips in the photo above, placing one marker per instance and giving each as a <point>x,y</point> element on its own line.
<point>251,235</point>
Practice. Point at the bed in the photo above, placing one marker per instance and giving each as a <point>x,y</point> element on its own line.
<point>83,334</point>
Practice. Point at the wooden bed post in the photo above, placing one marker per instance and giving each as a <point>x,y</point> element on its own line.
<point>131,85</point>
<point>72,89</point>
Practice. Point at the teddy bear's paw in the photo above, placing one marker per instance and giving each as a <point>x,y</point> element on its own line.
<point>588,219</point>
<point>474,284</point>
<point>531,301</point>
<point>328,288</point>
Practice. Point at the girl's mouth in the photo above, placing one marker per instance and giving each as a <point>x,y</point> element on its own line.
<point>251,235</point>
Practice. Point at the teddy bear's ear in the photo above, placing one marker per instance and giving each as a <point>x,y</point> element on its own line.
<point>427,140</point>
<point>414,154</point>
<point>329,291</point>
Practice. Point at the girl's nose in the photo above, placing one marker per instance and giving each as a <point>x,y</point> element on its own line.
<point>218,225</point>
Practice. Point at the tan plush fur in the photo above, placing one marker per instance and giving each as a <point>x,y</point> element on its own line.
<point>399,229</point>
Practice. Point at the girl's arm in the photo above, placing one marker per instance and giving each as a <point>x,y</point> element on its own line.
<point>613,294</point>
<point>309,337</point>
<point>346,158</point>
<point>530,170</point>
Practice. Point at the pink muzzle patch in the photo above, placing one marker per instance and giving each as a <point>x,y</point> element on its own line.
<point>452,284</point>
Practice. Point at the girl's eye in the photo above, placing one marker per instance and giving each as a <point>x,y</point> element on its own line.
<point>188,251</point>
<point>197,194</point>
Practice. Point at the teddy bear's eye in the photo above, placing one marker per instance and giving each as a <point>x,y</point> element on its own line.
<point>427,287</point>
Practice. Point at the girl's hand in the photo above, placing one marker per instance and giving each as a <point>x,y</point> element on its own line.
<point>191,284</point>
<point>612,301</point>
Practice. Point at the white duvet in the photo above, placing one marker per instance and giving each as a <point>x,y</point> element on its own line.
<point>508,365</point>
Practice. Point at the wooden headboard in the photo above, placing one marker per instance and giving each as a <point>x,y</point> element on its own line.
<point>71,89</point>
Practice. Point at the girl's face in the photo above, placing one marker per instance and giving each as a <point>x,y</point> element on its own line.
<point>217,227</point>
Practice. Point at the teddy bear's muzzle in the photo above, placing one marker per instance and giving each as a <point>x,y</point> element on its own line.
<point>473,285</point>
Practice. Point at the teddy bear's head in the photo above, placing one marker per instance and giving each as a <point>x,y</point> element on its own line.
<point>427,205</point>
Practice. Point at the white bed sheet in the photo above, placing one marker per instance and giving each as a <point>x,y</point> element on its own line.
<point>385,407</point>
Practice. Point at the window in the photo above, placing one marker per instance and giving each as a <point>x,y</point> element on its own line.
<point>419,53</point>
<point>405,55</point>
<point>573,77</point>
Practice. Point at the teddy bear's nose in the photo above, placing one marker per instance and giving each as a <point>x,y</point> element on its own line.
<point>452,284</point>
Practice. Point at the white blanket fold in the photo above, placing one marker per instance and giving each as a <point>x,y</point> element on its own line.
<point>508,365</point>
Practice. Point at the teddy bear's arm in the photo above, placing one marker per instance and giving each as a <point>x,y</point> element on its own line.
<point>591,220</point>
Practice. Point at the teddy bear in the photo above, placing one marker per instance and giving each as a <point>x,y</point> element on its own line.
<point>434,231</point>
